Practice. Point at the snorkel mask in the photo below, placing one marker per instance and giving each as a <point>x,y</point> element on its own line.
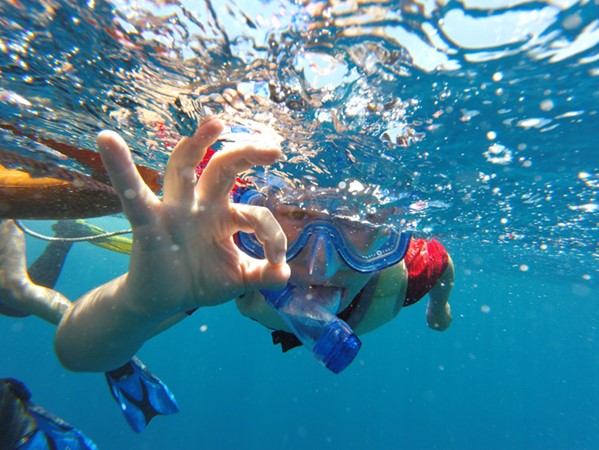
<point>365,246</point>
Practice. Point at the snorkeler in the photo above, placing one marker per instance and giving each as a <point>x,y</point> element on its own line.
<point>185,257</point>
<point>348,276</point>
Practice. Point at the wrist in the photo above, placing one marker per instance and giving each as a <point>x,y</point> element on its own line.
<point>148,305</point>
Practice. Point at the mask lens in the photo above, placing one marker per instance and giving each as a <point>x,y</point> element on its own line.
<point>357,241</point>
<point>365,246</point>
<point>292,219</point>
<point>364,238</point>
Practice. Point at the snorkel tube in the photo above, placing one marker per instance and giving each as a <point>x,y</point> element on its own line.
<point>310,313</point>
<point>332,341</point>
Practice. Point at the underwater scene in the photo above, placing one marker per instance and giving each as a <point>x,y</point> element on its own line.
<point>471,122</point>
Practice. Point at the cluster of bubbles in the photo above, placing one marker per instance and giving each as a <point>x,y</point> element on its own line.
<point>464,110</point>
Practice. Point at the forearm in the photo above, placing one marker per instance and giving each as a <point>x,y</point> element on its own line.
<point>101,331</point>
<point>47,304</point>
<point>24,298</point>
<point>438,312</point>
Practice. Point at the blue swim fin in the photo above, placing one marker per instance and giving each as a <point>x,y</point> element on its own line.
<point>27,426</point>
<point>54,433</point>
<point>140,394</point>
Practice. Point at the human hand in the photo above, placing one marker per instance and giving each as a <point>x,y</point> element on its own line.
<point>183,251</point>
<point>438,316</point>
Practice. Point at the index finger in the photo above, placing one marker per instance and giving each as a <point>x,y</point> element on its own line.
<point>136,197</point>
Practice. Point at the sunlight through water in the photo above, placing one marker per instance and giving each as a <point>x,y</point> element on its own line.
<point>474,116</point>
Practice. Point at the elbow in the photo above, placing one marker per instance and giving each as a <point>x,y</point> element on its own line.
<point>72,352</point>
<point>77,359</point>
<point>440,325</point>
<point>66,345</point>
<point>67,354</point>
<point>74,347</point>
<point>79,353</point>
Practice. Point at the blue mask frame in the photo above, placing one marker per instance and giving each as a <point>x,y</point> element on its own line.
<point>391,253</point>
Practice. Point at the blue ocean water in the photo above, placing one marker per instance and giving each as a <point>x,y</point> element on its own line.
<point>485,113</point>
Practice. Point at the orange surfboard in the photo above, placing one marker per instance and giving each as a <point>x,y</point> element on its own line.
<point>25,197</point>
<point>38,190</point>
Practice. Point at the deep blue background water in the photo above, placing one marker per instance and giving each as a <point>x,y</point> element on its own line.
<point>521,375</point>
<point>503,149</point>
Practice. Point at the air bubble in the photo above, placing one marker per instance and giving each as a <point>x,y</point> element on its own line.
<point>572,22</point>
<point>130,194</point>
<point>547,105</point>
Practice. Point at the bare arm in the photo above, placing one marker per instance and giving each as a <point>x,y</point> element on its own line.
<point>183,253</point>
<point>438,312</point>
<point>18,294</point>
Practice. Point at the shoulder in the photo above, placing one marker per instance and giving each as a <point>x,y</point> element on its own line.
<point>392,281</point>
<point>422,252</point>
<point>385,301</point>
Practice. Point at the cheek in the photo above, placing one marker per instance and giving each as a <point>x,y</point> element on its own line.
<point>353,280</point>
<point>352,287</point>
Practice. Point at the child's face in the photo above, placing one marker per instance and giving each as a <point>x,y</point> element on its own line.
<point>318,263</point>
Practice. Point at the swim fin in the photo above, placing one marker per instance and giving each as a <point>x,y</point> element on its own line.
<point>140,394</point>
<point>56,433</point>
<point>27,426</point>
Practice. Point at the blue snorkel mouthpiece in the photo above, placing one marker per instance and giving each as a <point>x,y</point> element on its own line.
<point>332,341</point>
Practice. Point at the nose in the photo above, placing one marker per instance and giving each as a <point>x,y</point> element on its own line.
<point>323,260</point>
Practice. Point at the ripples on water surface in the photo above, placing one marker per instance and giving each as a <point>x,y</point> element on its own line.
<point>484,111</point>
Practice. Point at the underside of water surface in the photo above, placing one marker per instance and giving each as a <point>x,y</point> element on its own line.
<point>477,117</point>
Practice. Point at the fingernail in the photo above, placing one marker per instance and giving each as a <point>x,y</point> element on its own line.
<point>206,117</point>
